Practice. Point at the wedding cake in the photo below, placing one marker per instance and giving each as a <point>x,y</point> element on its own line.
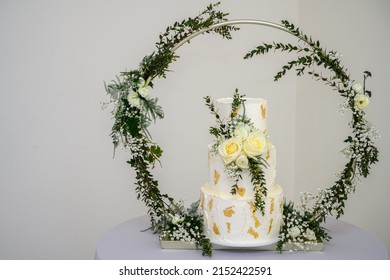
<point>230,200</point>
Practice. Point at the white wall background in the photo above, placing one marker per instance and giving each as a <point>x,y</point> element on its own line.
<point>60,189</point>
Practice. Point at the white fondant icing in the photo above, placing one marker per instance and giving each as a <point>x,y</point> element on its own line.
<point>246,228</point>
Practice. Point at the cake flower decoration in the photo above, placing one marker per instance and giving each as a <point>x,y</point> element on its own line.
<point>242,132</point>
<point>241,147</point>
<point>230,149</point>
<point>256,144</point>
<point>242,161</point>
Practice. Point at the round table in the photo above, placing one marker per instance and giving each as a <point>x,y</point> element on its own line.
<point>130,241</point>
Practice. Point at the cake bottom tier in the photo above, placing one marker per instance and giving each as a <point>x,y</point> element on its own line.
<point>233,221</point>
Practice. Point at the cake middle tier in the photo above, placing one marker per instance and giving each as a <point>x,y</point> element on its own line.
<point>222,184</point>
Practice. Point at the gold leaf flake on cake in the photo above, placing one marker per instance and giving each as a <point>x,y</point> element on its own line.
<point>281,206</point>
<point>271,208</point>
<point>241,191</point>
<point>256,220</point>
<point>252,232</point>
<point>270,226</point>
<point>228,226</point>
<point>263,110</point>
<point>254,217</point>
<point>228,212</point>
<point>216,177</point>
<point>216,229</point>
<point>211,204</point>
<point>252,206</point>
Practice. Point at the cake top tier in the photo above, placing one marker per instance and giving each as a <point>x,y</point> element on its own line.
<point>254,108</point>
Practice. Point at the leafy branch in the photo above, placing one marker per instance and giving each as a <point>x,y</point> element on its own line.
<point>361,151</point>
<point>164,56</point>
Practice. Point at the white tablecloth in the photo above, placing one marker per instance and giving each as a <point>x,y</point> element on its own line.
<point>127,241</point>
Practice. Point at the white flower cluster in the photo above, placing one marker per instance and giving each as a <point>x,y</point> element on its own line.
<point>344,107</point>
<point>356,92</point>
<point>361,100</point>
<point>349,184</point>
<point>142,90</point>
<point>364,138</point>
<point>181,232</point>
<point>245,142</point>
<point>298,234</point>
<point>232,170</point>
<point>135,145</point>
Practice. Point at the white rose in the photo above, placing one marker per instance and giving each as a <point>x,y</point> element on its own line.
<point>143,88</point>
<point>177,219</point>
<point>241,132</point>
<point>242,161</point>
<point>361,101</point>
<point>357,88</point>
<point>255,144</point>
<point>230,149</point>
<point>294,232</point>
<point>310,235</point>
<point>144,91</point>
<point>134,99</point>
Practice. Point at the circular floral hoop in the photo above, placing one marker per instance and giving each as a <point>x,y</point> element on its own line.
<point>134,110</point>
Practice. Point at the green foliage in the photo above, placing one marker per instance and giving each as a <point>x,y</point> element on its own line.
<point>158,63</point>
<point>257,167</point>
<point>238,100</point>
<point>222,130</point>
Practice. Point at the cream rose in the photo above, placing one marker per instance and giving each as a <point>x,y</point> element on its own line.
<point>241,132</point>
<point>134,99</point>
<point>255,144</point>
<point>242,161</point>
<point>230,149</point>
<point>361,101</point>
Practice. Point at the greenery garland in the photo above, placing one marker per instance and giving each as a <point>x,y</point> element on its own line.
<point>134,110</point>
